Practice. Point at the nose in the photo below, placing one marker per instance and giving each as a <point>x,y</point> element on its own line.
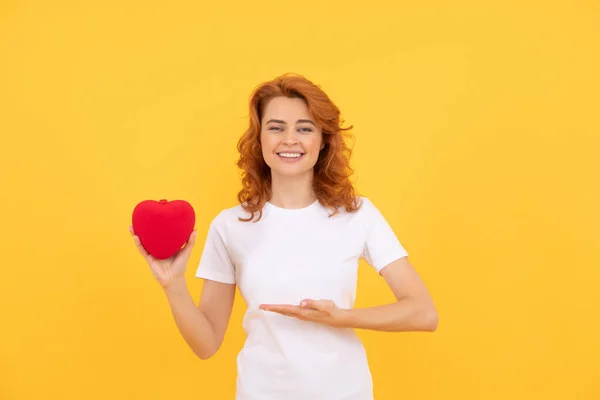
<point>290,137</point>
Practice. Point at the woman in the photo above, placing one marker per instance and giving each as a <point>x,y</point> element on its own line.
<point>292,246</point>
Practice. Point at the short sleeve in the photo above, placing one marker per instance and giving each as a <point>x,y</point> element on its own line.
<point>381,244</point>
<point>215,262</point>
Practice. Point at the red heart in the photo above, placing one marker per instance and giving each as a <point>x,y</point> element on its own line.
<point>163,226</point>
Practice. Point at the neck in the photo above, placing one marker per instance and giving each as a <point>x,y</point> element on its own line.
<point>292,192</point>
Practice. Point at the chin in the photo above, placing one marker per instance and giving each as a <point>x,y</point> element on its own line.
<point>290,168</point>
<point>289,173</point>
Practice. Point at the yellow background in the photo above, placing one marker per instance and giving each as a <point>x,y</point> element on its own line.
<point>477,134</point>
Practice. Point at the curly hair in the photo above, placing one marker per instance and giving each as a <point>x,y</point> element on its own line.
<point>332,170</point>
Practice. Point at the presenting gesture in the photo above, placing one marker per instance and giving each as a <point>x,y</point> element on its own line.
<point>319,311</point>
<point>171,269</point>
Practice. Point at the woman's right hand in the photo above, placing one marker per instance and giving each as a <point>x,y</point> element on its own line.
<point>171,269</point>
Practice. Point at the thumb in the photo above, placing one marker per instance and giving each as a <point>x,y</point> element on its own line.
<point>310,303</point>
<point>191,241</point>
<point>189,245</point>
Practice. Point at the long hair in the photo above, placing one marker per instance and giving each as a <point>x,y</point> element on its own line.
<point>331,182</point>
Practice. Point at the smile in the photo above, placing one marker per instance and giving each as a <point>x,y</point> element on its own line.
<point>290,155</point>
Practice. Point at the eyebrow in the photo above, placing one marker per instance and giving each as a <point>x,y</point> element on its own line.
<point>279,121</point>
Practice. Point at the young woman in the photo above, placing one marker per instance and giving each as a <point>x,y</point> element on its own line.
<point>292,246</point>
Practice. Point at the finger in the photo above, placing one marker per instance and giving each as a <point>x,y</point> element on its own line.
<point>282,313</point>
<point>287,314</point>
<point>309,303</point>
<point>320,305</point>
<point>280,308</point>
<point>187,248</point>
<point>189,245</point>
<point>295,311</point>
<point>140,248</point>
<point>131,230</point>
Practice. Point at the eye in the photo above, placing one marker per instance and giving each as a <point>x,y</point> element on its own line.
<point>274,128</point>
<point>306,130</point>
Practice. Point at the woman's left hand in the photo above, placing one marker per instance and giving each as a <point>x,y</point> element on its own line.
<point>320,311</point>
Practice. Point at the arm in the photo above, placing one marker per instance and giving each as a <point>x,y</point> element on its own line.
<point>413,309</point>
<point>202,327</point>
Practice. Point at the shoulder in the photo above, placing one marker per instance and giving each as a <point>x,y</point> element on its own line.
<point>368,212</point>
<point>367,207</point>
<point>228,214</point>
<point>365,213</point>
<point>229,217</point>
<point>223,224</point>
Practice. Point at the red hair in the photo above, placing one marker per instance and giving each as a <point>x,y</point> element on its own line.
<point>331,182</point>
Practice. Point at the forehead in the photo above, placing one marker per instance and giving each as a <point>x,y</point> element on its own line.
<point>286,108</point>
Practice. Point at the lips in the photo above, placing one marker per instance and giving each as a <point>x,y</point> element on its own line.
<point>290,154</point>
<point>290,157</point>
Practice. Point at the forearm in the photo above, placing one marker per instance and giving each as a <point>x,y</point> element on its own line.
<point>405,315</point>
<point>193,325</point>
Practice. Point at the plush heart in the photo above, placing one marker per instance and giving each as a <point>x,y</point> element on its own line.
<point>163,226</point>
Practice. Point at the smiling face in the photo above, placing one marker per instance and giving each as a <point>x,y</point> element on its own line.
<point>290,139</point>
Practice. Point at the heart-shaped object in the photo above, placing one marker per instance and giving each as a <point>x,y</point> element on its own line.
<point>163,226</point>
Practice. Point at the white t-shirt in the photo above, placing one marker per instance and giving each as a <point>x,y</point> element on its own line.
<point>290,255</point>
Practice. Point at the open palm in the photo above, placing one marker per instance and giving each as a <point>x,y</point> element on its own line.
<point>171,269</point>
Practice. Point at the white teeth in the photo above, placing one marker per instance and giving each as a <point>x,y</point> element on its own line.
<point>290,155</point>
